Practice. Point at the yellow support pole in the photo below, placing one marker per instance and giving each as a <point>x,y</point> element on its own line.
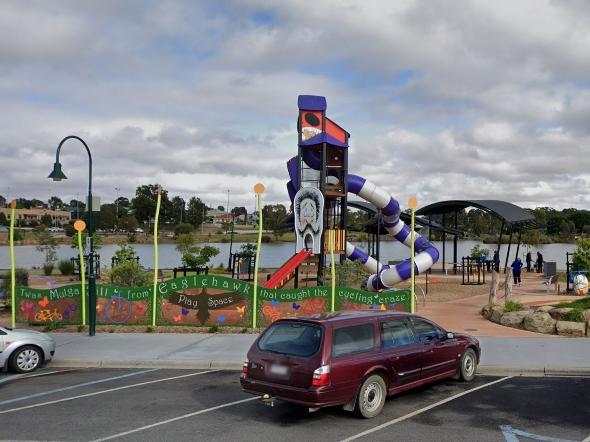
<point>155,300</point>
<point>413,203</point>
<point>259,190</point>
<point>332,234</point>
<point>12,265</point>
<point>79,226</point>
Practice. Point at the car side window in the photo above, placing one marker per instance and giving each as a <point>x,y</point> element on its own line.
<point>396,333</point>
<point>425,331</point>
<point>354,339</point>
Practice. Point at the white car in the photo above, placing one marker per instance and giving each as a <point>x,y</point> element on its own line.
<point>24,350</point>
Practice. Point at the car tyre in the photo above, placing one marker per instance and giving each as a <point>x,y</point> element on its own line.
<point>468,365</point>
<point>371,397</point>
<point>26,359</point>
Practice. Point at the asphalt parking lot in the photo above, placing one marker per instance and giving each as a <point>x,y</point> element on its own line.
<point>160,404</point>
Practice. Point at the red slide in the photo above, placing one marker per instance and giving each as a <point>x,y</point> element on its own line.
<point>287,270</point>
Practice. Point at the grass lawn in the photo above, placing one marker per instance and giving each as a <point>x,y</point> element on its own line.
<point>578,306</point>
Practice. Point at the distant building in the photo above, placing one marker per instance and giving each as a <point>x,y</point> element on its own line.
<point>219,217</point>
<point>3,233</point>
<point>25,216</point>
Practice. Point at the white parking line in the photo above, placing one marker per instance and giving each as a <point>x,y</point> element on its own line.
<point>14,377</point>
<point>174,419</point>
<point>422,410</point>
<point>71,387</point>
<point>96,393</point>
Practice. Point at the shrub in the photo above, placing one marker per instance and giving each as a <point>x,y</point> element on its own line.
<point>69,230</point>
<point>183,229</point>
<point>48,268</point>
<point>214,328</point>
<point>512,306</point>
<point>124,253</point>
<point>477,251</point>
<point>66,267</point>
<point>129,274</point>
<point>581,259</point>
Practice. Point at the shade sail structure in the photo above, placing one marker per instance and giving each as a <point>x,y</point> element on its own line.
<point>508,212</point>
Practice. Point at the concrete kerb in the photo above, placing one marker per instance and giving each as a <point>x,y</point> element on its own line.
<point>188,365</point>
<point>534,372</point>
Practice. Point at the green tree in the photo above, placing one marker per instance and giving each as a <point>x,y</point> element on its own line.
<point>46,220</point>
<point>581,258</point>
<point>128,223</point>
<point>144,203</point>
<point>182,229</point>
<point>191,254</point>
<point>125,252</point>
<point>178,210</point>
<point>96,240</point>
<point>273,217</point>
<point>3,219</point>
<point>55,203</point>
<point>2,201</point>
<point>107,217</point>
<point>129,274</point>
<point>195,211</point>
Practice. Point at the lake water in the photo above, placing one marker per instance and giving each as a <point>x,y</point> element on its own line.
<point>271,255</point>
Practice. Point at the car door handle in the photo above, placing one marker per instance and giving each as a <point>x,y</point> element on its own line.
<point>394,358</point>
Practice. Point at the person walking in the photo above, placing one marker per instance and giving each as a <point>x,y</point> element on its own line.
<point>496,261</point>
<point>516,268</point>
<point>539,262</point>
<point>529,260</point>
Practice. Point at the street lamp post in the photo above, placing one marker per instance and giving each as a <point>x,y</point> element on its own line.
<point>58,175</point>
<point>117,209</point>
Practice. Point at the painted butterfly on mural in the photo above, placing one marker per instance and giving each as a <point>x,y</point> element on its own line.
<point>221,319</point>
<point>241,310</point>
<point>184,312</point>
<point>392,305</point>
<point>177,318</point>
<point>139,308</point>
<point>44,302</point>
<point>296,306</point>
<point>274,303</point>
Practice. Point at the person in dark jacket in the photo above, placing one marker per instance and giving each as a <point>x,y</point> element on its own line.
<point>529,260</point>
<point>496,261</point>
<point>539,262</point>
<point>516,268</point>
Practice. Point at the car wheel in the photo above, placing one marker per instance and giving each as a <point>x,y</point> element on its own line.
<point>26,359</point>
<point>372,396</point>
<point>468,365</point>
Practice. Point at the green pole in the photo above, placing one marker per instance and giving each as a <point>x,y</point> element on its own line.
<point>82,274</point>
<point>259,189</point>
<point>159,200</point>
<point>412,203</point>
<point>12,265</point>
<point>332,234</point>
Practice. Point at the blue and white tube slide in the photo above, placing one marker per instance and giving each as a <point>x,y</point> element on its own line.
<point>384,276</point>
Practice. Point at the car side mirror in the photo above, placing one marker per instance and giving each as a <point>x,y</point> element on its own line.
<point>450,335</point>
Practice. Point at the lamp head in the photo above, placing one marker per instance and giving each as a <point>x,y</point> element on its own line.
<point>56,174</point>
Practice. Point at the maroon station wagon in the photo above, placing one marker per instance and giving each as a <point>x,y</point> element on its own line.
<point>354,359</point>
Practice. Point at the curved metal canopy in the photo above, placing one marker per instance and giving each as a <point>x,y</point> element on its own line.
<point>510,213</point>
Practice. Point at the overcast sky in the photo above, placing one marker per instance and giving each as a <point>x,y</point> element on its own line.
<point>443,99</point>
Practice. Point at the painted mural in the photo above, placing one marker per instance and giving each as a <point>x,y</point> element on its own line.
<point>200,300</point>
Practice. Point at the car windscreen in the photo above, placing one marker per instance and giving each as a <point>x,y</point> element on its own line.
<point>291,338</point>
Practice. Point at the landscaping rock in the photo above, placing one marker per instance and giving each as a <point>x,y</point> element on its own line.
<point>560,313</point>
<point>496,314</point>
<point>486,311</point>
<point>514,319</point>
<point>570,328</point>
<point>545,308</point>
<point>539,322</point>
<point>586,315</point>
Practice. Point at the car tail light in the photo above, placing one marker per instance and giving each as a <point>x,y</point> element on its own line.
<point>245,367</point>
<point>321,376</point>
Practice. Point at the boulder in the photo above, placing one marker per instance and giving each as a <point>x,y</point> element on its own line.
<point>514,319</point>
<point>545,308</point>
<point>570,328</point>
<point>539,322</point>
<point>496,314</point>
<point>586,315</point>
<point>560,313</point>
<point>486,311</point>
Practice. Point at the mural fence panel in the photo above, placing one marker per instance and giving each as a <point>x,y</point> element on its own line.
<point>200,300</point>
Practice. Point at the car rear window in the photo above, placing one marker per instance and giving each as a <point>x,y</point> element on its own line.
<point>292,338</point>
<point>355,339</point>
